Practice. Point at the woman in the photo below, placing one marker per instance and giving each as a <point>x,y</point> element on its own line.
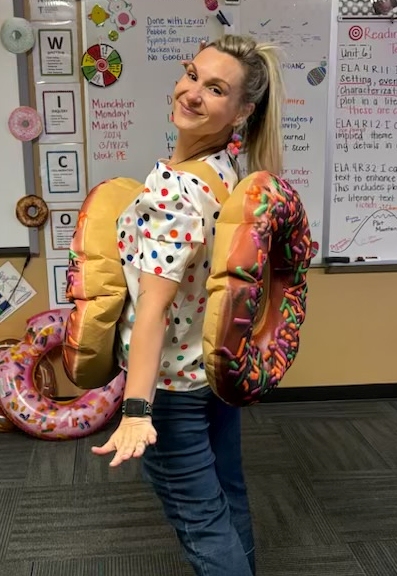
<point>190,440</point>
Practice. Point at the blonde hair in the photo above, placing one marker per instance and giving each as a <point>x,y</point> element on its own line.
<point>263,86</point>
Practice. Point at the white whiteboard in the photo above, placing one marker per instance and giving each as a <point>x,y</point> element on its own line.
<point>13,235</point>
<point>363,219</point>
<point>128,123</point>
<point>302,29</point>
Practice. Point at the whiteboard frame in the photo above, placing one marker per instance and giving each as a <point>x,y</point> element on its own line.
<point>27,148</point>
<point>330,132</point>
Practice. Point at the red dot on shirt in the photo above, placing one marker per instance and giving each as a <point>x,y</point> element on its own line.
<point>190,298</point>
<point>202,300</point>
<point>190,278</point>
<point>199,310</point>
<point>184,346</point>
<point>180,373</point>
<point>147,233</point>
<point>158,270</point>
<point>188,237</point>
<point>167,381</point>
<point>164,192</point>
<point>193,376</point>
<point>206,189</point>
<point>121,245</point>
<point>130,238</point>
<point>162,206</point>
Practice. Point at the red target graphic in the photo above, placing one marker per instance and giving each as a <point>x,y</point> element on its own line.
<point>356,33</point>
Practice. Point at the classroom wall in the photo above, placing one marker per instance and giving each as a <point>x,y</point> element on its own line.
<point>348,337</point>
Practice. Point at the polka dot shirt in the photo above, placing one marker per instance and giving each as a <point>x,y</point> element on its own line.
<point>169,231</point>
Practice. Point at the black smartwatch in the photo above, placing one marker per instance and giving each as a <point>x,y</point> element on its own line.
<point>136,407</point>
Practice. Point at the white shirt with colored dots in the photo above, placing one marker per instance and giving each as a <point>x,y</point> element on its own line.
<point>169,231</point>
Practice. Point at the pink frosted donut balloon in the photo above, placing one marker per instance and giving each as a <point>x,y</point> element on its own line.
<point>25,123</point>
<point>44,417</point>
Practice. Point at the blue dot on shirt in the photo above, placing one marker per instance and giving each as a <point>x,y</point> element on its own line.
<point>130,257</point>
<point>169,216</point>
<point>140,221</point>
<point>221,175</point>
<point>178,245</point>
<point>154,254</point>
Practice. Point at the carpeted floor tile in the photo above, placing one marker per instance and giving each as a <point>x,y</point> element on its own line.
<point>82,521</point>
<point>322,445</point>
<point>16,449</point>
<point>151,564</point>
<point>16,568</point>
<point>286,513</point>
<point>309,561</point>
<point>361,506</point>
<point>51,464</point>
<point>9,498</point>
<point>381,434</point>
<point>376,558</point>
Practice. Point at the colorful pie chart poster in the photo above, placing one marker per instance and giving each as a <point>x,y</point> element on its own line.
<point>101,65</point>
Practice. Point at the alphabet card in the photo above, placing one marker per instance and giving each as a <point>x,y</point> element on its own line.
<point>59,229</point>
<point>55,56</point>
<point>62,170</point>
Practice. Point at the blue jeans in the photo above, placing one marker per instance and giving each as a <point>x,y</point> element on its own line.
<point>196,471</point>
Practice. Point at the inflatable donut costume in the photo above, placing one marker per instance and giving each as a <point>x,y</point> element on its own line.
<point>257,289</point>
<point>96,282</point>
<point>257,284</point>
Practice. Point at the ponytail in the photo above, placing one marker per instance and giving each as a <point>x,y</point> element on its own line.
<point>263,86</point>
<point>263,134</point>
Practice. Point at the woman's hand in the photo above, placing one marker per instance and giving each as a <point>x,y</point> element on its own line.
<point>129,440</point>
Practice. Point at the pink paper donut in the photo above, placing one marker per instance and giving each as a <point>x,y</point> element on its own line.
<point>25,123</point>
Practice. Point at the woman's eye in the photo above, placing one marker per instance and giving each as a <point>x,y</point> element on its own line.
<point>192,75</point>
<point>216,90</point>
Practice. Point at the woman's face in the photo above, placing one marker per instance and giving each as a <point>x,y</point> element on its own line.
<point>207,97</point>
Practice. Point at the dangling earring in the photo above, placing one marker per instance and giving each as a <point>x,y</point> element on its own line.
<point>235,145</point>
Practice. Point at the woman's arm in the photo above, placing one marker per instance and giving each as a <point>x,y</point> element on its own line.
<point>155,297</point>
<point>134,434</point>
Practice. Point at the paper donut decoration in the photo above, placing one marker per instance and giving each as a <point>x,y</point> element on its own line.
<point>17,35</point>
<point>317,75</point>
<point>25,123</point>
<point>101,65</point>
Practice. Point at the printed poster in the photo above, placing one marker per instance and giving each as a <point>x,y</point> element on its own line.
<point>62,172</point>
<point>59,229</point>
<point>14,290</point>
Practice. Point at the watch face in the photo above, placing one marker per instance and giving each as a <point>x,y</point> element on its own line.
<point>132,407</point>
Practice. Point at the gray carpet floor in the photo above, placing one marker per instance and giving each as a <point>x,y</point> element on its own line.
<point>322,480</point>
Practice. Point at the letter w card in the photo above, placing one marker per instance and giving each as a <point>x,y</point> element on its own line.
<point>55,53</point>
<point>62,171</point>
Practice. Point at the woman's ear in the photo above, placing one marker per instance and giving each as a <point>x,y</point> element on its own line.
<point>244,113</point>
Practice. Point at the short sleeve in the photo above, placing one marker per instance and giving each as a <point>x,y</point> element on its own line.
<point>169,223</point>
